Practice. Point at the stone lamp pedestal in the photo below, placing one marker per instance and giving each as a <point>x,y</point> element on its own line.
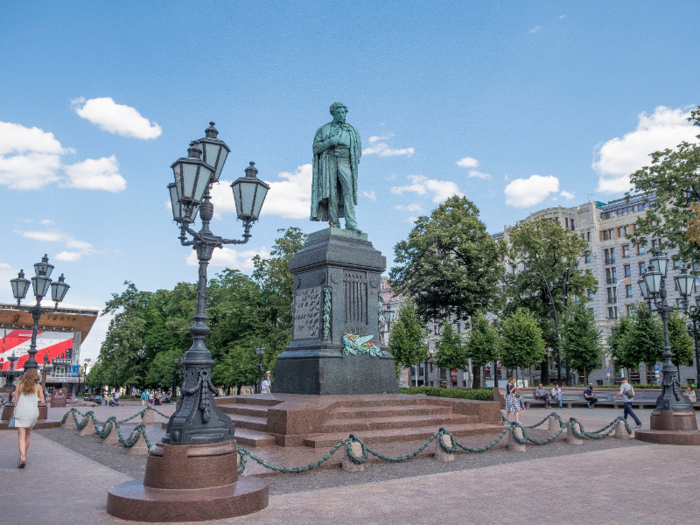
<point>189,483</point>
<point>337,276</point>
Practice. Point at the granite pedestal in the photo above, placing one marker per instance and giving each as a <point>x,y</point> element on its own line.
<point>671,427</point>
<point>189,483</point>
<point>337,276</point>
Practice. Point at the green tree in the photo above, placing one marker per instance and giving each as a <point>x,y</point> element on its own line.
<point>236,368</point>
<point>483,346</point>
<point>275,280</point>
<point>407,342</point>
<point>581,339</point>
<point>539,253</point>
<point>161,372</point>
<point>681,343</point>
<point>451,354</point>
<point>449,264</point>
<point>616,342</point>
<point>643,342</point>
<point>671,184</point>
<point>523,345</point>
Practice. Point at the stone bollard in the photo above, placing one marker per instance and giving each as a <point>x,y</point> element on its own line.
<point>621,431</point>
<point>513,445</point>
<point>112,438</point>
<point>139,448</point>
<point>70,423</point>
<point>89,429</point>
<point>571,439</point>
<point>348,464</point>
<point>147,417</point>
<point>238,465</point>
<point>553,423</point>
<point>440,454</point>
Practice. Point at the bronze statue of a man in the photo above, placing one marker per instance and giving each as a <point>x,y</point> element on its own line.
<point>337,151</point>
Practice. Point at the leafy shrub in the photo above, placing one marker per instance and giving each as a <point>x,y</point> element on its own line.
<point>480,394</point>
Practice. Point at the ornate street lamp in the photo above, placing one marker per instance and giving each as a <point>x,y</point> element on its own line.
<point>260,353</point>
<point>10,381</point>
<point>189,195</point>
<point>671,398</point>
<point>192,471</point>
<point>41,283</point>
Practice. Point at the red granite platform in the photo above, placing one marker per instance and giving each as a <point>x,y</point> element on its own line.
<point>320,421</point>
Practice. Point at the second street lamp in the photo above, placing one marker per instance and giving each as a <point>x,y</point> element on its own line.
<point>260,353</point>
<point>41,283</point>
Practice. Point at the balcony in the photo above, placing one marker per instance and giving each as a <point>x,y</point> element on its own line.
<point>611,280</point>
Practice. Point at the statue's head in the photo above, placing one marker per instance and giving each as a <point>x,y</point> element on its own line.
<point>338,110</point>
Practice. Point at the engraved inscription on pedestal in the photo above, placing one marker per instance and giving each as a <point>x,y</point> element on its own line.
<point>308,313</point>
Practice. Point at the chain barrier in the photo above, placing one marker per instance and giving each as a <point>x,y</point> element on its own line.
<point>287,470</point>
<point>139,430</point>
<point>598,434</point>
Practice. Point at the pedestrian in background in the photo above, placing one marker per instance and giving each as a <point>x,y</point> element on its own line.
<point>541,395</point>
<point>26,397</point>
<point>150,398</point>
<point>265,385</point>
<point>556,394</point>
<point>690,394</point>
<point>144,398</point>
<point>627,393</point>
<point>590,398</point>
<point>512,403</point>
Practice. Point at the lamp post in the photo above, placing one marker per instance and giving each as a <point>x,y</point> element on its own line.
<point>389,318</point>
<point>40,286</point>
<point>45,371</point>
<point>193,471</point>
<point>654,291</point>
<point>190,195</point>
<point>260,353</point>
<point>176,370</point>
<point>11,374</point>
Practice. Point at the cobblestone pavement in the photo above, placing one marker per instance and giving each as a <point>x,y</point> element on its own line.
<point>588,488</point>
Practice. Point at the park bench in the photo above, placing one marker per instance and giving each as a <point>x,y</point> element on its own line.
<point>644,398</point>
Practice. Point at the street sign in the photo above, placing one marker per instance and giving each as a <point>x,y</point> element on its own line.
<point>656,367</point>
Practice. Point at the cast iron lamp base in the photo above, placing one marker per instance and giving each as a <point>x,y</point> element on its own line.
<point>671,427</point>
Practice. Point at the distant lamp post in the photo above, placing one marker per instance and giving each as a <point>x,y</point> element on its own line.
<point>41,283</point>
<point>671,397</point>
<point>684,283</point>
<point>565,293</point>
<point>10,382</point>
<point>260,353</point>
<point>389,318</point>
<point>45,370</point>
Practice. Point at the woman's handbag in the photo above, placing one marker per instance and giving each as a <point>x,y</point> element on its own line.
<point>11,422</point>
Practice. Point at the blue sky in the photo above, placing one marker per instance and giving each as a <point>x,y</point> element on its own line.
<point>98,99</point>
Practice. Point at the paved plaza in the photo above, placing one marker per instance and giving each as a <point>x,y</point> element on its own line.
<point>67,478</point>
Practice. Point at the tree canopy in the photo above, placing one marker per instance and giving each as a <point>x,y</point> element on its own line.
<point>523,345</point>
<point>449,265</point>
<point>484,343</point>
<point>407,341</point>
<point>451,353</point>
<point>581,339</point>
<point>672,183</point>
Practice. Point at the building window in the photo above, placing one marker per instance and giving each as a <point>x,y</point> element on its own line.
<point>589,293</point>
<point>630,309</point>
<point>608,234</point>
<point>654,245</point>
<point>437,330</point>
<point>612,297</point>
<point>609,255</point>
<point>611,275</point>
<point>459,328</point>
<point>642,268</point>
<point>612,312</point>
<point>626,251</point>
<point>573,225</point>
<point>640,250</point>
<point>676,265</point>
<point>628,288</point>
<point>587,257</point>
<point>628,270</point>
<point>623,230</point>
<point>588,236</point>
<point>566,221</point>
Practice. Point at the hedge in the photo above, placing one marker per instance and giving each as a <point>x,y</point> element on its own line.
<point>480,394</point>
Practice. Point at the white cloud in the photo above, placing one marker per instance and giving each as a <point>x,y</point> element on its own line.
<point>440,189</point>
<point>29,157</point>
<point>562,17</point>
<point>68,256</point>
<point>116,118</point>
<point>290,197</point>
<point>479,175</point>
<point>383,149</point>
<point>370,195</point>
<point>412,220</point>
<point>468,162</point>
<point>619,157</point>
<point>230,258</point>
<point>567,195</point>
<point>409,207</point>
<point>534,30</point>
<point>46,221</point>
<point>95,174</point>
<point>522,193</point>
<point>81,247</point>
<point>377,138</point>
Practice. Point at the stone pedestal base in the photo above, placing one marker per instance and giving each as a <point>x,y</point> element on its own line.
<point>671,427</point>
<point>41,423</point>
<point>189,483</point>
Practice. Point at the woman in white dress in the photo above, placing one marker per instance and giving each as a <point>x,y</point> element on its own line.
<point>265,385</point>
<point>26,398</point>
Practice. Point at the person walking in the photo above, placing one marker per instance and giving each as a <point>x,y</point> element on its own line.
<point>150,398</point>
<point>512,403</point>
<point>144,398</point>
<point>627,393</point>
<point>26,397</point>
<point>265,385</point>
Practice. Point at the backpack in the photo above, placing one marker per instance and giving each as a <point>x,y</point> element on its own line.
<point>629,393</point>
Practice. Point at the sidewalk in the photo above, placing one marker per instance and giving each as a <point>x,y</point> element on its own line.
<point>62,487</point>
